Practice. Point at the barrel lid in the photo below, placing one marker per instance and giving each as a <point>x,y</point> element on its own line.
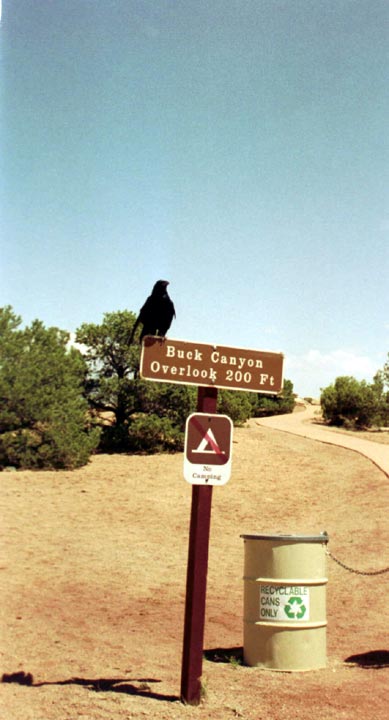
<point>322,538</point>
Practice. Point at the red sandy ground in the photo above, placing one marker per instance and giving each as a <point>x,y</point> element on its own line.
<point>93,572</point>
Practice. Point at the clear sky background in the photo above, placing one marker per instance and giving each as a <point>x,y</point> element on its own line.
<point>238,148</point>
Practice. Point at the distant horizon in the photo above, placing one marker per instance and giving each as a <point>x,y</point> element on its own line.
<point>338,360</point>
<point>341,362</point>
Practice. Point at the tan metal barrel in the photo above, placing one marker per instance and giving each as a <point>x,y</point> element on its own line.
<point>285,601</point>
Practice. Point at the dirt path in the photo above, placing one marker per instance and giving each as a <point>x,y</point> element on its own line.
<point>93,572</point>
<point>303,423</point>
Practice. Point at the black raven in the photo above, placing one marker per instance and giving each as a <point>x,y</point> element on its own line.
<point>157,313</point>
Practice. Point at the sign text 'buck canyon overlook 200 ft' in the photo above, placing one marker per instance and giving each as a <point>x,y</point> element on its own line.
<point>189,363</point>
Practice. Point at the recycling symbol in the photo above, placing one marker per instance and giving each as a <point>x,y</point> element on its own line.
<point>295,609</point>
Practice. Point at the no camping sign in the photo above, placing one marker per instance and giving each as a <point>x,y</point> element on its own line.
<point>208,443</point>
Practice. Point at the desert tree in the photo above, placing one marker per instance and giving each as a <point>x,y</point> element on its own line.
<point>136,415</point>
<point>43,413</point>
<point>112,364</point>
<point>264,405</point>
<point>356,404</point>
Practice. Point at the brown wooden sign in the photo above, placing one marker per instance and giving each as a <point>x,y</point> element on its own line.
<point>188,363</point>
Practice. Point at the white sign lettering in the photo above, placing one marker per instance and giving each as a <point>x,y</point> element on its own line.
<point>199,364</point>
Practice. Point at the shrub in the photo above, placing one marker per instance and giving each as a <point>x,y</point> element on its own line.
<point>275,404</point>
<point>354,404</point>
<point>235,404</point>
<point>153,434</point>
<point>43,414</point>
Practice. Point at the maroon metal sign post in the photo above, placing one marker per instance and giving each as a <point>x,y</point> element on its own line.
<point>196,580</point>
<point>208,367</point>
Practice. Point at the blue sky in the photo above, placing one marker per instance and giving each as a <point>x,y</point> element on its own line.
<point>237,148</point>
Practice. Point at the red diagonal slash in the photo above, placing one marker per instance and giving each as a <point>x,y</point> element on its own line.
<point>212,443</point>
